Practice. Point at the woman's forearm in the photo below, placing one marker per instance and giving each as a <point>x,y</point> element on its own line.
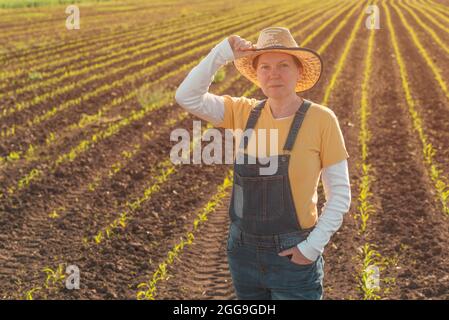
<point>338,199</point>
<point>193,95</point>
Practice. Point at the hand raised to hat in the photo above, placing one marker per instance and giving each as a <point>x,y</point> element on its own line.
<point>240,47</point>
<point>296,256</point>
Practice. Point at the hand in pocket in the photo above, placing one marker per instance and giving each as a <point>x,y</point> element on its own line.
<point>296,256</point>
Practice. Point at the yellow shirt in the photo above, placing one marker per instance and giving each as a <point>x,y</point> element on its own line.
<point>319,143</point>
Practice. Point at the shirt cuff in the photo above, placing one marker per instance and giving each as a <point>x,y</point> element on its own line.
<point>308,251</point>
<point>225,51</point>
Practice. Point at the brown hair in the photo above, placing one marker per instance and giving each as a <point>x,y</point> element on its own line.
<point>295,59</point>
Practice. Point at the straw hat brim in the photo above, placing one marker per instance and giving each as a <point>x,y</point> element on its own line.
<point>311,61</point>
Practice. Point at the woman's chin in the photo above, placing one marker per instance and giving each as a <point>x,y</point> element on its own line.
<point>276,92</point>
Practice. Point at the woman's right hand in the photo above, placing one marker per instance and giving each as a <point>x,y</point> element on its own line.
<point>240,47</point>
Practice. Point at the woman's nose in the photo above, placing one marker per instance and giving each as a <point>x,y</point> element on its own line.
<point>274,72</point>
<point>274,75</point>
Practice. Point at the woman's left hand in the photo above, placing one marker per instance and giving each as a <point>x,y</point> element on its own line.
<point>297,256</point>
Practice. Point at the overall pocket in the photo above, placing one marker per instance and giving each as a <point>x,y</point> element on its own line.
<point>300,266</point>
<point>259,198</point>
<point>292,243</point>
<point>232,243</point>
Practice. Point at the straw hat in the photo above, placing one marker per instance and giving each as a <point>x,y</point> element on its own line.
<point>279,39</point>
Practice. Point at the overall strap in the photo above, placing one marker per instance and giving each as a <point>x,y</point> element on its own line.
<point>296,125</point>
<point>252,120</point>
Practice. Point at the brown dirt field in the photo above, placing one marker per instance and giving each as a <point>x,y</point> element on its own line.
<point>408,223</point>
<point>91,106</point>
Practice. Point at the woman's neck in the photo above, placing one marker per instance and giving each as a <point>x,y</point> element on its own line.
<point>284,107</point>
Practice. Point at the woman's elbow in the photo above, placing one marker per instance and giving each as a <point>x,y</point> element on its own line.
<point>180,96</point>
<point>187,100</point>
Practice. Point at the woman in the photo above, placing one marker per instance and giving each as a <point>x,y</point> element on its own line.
<point>276,239</point>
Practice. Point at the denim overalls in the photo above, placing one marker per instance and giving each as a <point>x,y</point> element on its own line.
<point>264,223</point>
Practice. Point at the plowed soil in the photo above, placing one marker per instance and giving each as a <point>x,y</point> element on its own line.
<point>408,225</point>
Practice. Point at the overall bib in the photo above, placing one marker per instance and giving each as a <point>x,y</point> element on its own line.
<point>263,223</point>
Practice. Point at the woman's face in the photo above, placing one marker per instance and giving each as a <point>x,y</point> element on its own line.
<point>277,73</point>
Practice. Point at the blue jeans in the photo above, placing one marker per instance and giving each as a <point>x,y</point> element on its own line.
<point>259,273</point>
